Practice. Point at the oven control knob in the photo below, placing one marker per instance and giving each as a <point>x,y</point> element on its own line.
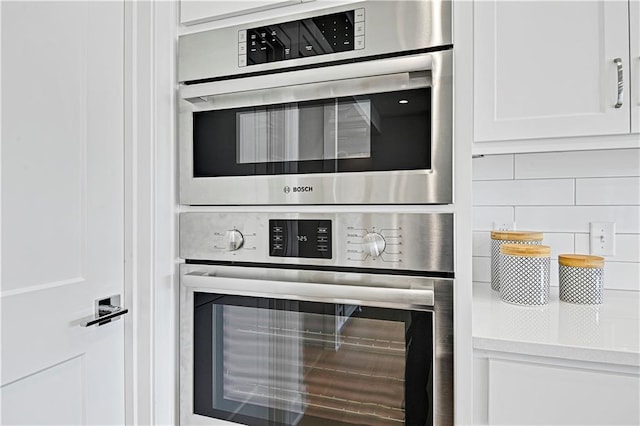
<point>235,240</point>
<point>373,244</point>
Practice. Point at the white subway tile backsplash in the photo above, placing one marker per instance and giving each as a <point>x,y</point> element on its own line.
<point>601,163</point>
<point>542,192</point>
<point>627,247</point>
<point>559,194</point>
<point>481,269</point>
<point>577,218</point>
<point>483,217</point>
<point>493,167</point>
<point>481,245</point>
<point>608,191</point>
<point>622,276</point>
<point>560,243</point>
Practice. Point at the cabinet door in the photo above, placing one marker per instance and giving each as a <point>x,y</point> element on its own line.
<point>521,393</point>
<point>634,63</point>
<point>546,69</point>
<point>195,11</point>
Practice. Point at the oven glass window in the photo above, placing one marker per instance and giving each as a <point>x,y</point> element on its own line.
<point>277,134</point>
<point>376,132</point>
<point>264,361</point>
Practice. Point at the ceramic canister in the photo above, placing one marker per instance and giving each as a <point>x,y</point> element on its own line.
<point>581,278</point>
<point>524,274</point>
<point>498,238</point>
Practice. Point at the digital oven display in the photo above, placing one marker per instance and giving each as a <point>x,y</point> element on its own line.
<point>319,35</point>
<point>300,238</point>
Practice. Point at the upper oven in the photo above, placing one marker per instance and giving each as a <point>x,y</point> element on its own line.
<point>347,105</point>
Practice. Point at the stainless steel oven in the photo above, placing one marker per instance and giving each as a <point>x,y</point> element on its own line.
<point>346,105</point>
<point>316,318</point>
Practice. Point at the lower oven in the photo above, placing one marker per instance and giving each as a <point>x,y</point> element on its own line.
<point>278,328</point>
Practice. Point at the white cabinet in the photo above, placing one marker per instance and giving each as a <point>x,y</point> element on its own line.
<point>546,69</point>
<point>196,11</point>
<point>519,390</point>
<point>634,63</point>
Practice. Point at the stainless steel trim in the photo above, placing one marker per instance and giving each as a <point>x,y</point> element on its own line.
<point>443,377</point>
<point>414,241</point>
<point>432,186</point>
<point>390,27</point>
<point>423,293</point>
<point>620,98</point>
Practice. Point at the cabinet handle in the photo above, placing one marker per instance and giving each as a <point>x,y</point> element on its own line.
<point>618,62</point>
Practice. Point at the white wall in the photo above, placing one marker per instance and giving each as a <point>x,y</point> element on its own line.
<point>559,193</point>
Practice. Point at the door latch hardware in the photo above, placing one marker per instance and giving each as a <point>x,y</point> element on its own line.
<point>107,310</point>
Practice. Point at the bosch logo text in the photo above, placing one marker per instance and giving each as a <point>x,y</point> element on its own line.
<point>298,189</point>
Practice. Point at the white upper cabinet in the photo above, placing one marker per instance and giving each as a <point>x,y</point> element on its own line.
<point>196,11</point>
<point>547,69</point>
<point>634,63</point>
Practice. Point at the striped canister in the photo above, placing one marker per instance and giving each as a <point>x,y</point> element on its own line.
<point>581,278</point>
<point>498,238</point>
<point>524,274</point>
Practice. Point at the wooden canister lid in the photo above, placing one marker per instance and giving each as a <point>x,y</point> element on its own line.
<point>516,235</point>
<point>525,250</point>
<point>581,260</point>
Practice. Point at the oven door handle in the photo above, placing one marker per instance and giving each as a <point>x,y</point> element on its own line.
<point>404,72</point>
<point>419,295</point>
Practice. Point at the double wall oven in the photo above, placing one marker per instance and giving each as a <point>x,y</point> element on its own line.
<point>309,316</point>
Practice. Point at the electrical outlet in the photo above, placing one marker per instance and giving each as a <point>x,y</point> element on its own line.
<point>602,238</point>
<point>503,226</point>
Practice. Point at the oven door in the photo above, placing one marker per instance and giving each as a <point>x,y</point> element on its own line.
<point>373,132</point>
<point>290,347</point>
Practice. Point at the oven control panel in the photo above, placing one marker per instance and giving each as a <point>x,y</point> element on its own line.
<point>409,241</point>
<point>318,35</point>
<point>377,244</point>
<point>303,238</point>
<point>330,31</point>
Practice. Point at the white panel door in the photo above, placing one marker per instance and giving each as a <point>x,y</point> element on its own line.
<point>62,211</point>
<point>546,68</point>
<point>634,62</point>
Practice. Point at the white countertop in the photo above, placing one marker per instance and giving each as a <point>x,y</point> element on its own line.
<point>608,333</point>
